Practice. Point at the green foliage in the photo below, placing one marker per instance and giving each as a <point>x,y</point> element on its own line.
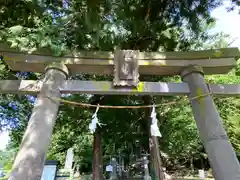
<point>6,159</point>
<point>107,25</point>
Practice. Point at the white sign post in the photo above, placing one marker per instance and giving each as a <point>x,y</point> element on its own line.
<point>109,168</point>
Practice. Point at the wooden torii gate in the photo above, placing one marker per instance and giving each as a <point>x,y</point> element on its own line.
<point>191,66</point>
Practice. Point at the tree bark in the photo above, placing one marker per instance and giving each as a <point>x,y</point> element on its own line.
<point>155,159</point>
<point>97,156</point>
<point>97,166</point>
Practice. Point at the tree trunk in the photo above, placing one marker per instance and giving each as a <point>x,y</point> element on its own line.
<point>97,156</point>
<point>97,166</point>
<point>155,159</point>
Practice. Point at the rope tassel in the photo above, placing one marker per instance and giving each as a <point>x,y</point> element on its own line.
<point>154,126</point>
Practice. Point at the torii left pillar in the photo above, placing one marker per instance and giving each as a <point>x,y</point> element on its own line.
<point>29,162</point>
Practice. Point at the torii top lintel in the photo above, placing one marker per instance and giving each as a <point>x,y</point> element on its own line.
<point>218,61</point>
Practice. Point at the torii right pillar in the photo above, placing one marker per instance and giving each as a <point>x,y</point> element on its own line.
<point>221,155</point>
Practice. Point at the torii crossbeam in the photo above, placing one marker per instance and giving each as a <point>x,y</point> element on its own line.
<point>106,87</point>
<point>190,65</point>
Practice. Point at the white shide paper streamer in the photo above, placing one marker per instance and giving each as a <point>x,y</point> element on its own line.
<point>95,122</point>
<point>154,126</point>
